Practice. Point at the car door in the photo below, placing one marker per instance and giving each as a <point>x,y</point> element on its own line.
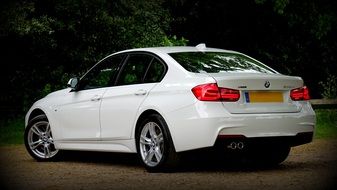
<point>120,104</point>
<point>78,115</point>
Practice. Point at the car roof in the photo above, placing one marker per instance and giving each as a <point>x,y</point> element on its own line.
<point>175,49</point>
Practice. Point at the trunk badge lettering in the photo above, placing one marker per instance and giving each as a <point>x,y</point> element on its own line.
<point>267,84</point>
<point>288,86</point>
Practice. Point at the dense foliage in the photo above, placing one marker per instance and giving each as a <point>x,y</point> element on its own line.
<point>296,37</point>
<point>45,42</point>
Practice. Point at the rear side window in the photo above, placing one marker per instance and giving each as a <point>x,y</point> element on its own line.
<point>134,69</point>
<point>215,62</point>
<point>155,72</point>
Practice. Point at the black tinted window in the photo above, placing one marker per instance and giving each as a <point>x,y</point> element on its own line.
<point>102,75</point>
<point>155,72</point>
<point>134,69</point>
<point>215,62</point>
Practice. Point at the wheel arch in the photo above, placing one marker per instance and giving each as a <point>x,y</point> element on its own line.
<point>145,114</point>
<point>35,112</point>
<point>37,116</point>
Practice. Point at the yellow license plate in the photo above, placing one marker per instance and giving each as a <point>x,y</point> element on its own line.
<point>263,96</point>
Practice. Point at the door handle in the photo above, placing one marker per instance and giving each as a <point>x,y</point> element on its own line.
<point>96,98</point>
<point>140,92</point>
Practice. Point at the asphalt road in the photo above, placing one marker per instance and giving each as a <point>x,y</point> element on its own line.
<point>311,166</point>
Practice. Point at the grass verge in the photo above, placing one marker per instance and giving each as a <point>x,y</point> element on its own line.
<point>11,132</point>
<point>326,125</point>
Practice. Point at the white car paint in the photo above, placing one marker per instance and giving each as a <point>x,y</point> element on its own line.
<point>104,119</point>
<point>115,115</point>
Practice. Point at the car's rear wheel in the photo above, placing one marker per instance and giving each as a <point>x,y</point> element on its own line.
<point>154,145</point>
<point>39,141</point>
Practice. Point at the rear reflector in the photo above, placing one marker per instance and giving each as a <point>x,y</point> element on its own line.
<point>300,94</point>
<point>211,92</point>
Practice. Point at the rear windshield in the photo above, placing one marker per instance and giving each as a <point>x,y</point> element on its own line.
<point>216,62</point>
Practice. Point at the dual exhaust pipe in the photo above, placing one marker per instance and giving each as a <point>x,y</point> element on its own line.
<point>236,145</point>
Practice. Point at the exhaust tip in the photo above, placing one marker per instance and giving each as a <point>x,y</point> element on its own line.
<point>236,145</point>
<point>240,145</point>
<point>232,145</point>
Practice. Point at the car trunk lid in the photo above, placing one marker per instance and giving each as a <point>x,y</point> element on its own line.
<point>260,93</point>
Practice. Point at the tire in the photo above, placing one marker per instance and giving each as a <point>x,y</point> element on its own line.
<point>279,154</point>
<point>155,148</point>
<point>271,156</point>
<point>39,140</point>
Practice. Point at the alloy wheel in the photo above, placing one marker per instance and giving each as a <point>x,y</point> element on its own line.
<point>40,140</point>
<point>151,144</point>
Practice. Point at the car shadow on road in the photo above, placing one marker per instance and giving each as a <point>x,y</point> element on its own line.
<point>126,159</point>
<point>188,163</point>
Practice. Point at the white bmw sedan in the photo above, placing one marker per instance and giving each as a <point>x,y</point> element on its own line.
<point>158,102</point>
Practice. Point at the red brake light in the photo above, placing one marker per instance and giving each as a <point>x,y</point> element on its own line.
<point>300,94</point>
<point>207,92</point>
<point>229,95</point>
<point>211,92</point>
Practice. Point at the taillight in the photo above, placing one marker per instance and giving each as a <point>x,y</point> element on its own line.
<point>211,92</point>
<point>207,92</point>
<point>229,95</point>
<point>300,94</point>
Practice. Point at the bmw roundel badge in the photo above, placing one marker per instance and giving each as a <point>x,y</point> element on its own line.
<point>267,84</point>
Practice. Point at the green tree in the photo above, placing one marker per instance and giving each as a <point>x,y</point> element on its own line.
<point>48,41</point>
<point>294,37</point>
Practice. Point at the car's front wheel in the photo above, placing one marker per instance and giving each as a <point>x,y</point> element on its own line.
<point>39,141</point>
<point>154,145</point>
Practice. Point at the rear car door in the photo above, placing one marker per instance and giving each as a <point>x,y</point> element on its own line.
<point>120,104</point>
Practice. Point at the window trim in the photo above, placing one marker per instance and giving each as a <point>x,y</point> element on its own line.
<point>147,70</point>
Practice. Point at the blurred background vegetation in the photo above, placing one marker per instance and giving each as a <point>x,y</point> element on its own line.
<point>45,42</point>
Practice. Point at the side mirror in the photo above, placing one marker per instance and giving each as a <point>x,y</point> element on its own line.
<point>73,83</point>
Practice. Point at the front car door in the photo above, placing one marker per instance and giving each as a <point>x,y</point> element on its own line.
<point>78,115</point>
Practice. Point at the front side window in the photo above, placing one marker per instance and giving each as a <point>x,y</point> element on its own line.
<point>103,74</point>
<point>215,62</point>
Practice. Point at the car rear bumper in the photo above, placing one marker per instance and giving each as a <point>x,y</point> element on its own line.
<point>231,141</point>
<point>203,123</point>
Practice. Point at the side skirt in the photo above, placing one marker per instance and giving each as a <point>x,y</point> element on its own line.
<point>127,146</point>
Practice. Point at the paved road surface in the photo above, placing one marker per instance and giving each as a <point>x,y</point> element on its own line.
<point>312,166</point>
